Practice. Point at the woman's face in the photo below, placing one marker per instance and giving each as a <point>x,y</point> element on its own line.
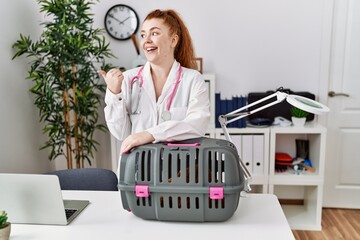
<point>156,41</point>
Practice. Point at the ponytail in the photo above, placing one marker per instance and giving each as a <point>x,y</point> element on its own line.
<point>184,51</point>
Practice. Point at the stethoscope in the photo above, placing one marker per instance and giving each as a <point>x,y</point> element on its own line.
<point>136,93</point>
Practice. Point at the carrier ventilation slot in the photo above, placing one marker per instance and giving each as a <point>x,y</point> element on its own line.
<point>167,161</point>
<point>161,163</point>
<point>177,202</point>
<point>143,166</point>
<point>216,167</point>
<point>170,168</point>
<point>197,166</point>
<point>187,168</point>
<point>216,203</point>
<point>178,166</point>
<point>145,202</point>
<point>192,168</point>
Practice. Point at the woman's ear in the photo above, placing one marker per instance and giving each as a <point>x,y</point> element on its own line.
<point>174,40</point>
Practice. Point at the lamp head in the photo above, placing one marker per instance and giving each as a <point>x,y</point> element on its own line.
<point>307,104</point>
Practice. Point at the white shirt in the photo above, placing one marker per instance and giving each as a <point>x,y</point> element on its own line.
<point>189,110</point>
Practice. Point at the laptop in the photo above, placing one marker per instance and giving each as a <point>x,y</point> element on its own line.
<point>37,199</point>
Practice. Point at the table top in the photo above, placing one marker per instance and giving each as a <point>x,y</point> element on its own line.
<point>258,216</point>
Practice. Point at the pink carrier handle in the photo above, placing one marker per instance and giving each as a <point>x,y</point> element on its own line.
<point>183,144</point>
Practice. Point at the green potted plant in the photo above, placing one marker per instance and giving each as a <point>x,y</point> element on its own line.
<point>5,226</point>
<point>298,116</point>
<point>67,87</point>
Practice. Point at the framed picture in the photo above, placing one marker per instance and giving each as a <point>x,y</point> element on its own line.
<point>199,63</point>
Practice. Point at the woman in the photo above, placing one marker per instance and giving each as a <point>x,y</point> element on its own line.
<point>166,100</point>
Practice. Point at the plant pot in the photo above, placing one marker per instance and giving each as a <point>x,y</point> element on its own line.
<point>5,232</point>
<point>298,122</point>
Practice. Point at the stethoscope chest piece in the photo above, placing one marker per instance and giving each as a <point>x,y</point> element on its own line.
<point>166,116</point>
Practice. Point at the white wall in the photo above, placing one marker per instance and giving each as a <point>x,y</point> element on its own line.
<point>19,127</point>
<point>251,45</point>
<point>255,45</point>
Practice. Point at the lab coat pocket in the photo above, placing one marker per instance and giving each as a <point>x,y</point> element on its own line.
<point>178,113</point>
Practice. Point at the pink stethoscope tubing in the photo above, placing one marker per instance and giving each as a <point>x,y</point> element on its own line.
<point>139,78</point>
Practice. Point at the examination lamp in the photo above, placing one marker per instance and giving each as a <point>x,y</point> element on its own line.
<point>300,102</point>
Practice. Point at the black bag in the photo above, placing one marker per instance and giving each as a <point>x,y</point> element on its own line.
<point>281,109</point>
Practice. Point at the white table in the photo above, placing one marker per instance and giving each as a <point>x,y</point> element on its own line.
<point>259,216</point>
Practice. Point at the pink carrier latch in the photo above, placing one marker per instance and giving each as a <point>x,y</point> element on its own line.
<point>216,193</point>
<point>142,191</point>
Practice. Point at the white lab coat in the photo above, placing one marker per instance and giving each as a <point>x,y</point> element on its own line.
<point>190,112</point>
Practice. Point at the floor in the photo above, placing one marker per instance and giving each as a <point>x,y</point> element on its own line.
<point>337,224</point>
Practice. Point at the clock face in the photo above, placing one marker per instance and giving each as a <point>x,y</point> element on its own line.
<point>121,21</point>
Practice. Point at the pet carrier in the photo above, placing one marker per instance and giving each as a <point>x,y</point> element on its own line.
<point>193,180</point>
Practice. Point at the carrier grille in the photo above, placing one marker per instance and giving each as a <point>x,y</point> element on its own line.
<point>216,203</point>
<point>143,166</point>
<point>179,166</point>
<point>145,202</point>
<point>179,202</point>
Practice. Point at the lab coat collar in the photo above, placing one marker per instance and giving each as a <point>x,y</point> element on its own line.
<point>149,85</point>
<point>168,87</point>
<point>170,83</point>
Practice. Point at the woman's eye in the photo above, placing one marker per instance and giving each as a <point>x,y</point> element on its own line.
<point>154,33</point>
<point>142,35</point>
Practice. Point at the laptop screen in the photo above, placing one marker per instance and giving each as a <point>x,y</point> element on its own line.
<point>34,199</point>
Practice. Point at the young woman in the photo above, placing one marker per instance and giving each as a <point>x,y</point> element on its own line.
<point>166,99</point>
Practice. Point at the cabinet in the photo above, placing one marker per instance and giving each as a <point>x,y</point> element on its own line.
<point>306,186</point>
<point>303,192</point>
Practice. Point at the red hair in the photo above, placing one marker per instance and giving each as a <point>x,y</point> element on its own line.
<point>184,51</point>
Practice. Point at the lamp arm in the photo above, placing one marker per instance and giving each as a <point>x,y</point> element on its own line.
<point>247,175</point>
<point>280,96</point>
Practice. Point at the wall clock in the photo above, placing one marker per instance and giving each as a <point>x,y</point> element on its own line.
<point>121,21</point>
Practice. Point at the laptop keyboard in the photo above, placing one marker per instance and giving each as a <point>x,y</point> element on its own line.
<point>69,212</point>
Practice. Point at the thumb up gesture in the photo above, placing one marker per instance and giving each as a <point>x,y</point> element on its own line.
<point>113,79</point>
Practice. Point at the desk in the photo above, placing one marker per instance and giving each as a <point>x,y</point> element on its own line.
<point>259,216</point>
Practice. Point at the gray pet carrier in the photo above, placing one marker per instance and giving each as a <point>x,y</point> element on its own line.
<point>194,180</point>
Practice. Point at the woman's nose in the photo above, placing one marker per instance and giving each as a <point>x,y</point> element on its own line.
<point>147,38</point>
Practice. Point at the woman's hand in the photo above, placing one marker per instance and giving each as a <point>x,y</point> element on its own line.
<point>113,79</point>
<point>135,140</point>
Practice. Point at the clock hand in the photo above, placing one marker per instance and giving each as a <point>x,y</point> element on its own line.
<point>122,22</point>
<point>112,16</point>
